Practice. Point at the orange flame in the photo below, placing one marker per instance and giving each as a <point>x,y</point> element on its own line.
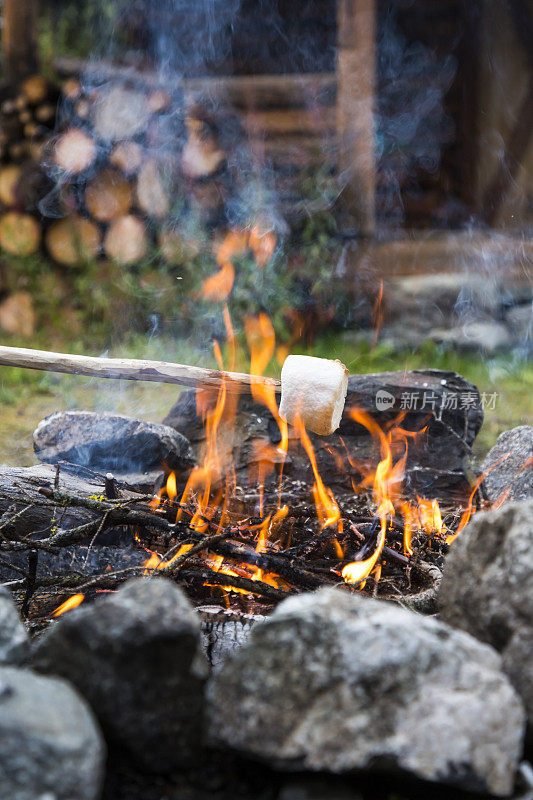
<point>234,244</point>
<point>156,562</point>
<point>386,486</point>
<point>261,339</point>
<point>470,506</point>
<point>430,516</point>
<point>211,485</point>
<point>327,510</point>
<point>409,525</point>
<point>68,605</point>
<point>218,286</point>
<point>296,324</point>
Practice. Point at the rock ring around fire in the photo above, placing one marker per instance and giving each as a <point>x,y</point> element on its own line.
<point>336,682</point>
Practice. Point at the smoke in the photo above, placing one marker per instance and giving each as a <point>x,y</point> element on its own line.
<point>415,133</point>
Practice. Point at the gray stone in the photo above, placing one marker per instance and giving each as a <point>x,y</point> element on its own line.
<point>110,442</point>
<point>487,588</point>
<point>513,450</point>
<point>443,294</point>
<point>339,682</point>
<point>14,640</point>
<point>50,744</point>
<point>487,336</point>
<point>135,656</point>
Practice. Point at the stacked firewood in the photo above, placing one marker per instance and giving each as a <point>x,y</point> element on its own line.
<point>123,168</point>
<point>27,122</point>
<point>127,162</point>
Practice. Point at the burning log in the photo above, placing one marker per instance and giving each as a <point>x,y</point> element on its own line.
<point>437,464</point>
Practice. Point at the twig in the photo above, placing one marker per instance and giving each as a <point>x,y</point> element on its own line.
<point>206,542</point>
<point>14,567</point>
<point>270,562</point>
<point>33,560</point>
<point>98,531</point>
<point>210,577</point>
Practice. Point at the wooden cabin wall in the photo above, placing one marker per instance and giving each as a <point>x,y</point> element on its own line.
<point>438,98</point>
<point>504,168</point>
<point>418,172</point>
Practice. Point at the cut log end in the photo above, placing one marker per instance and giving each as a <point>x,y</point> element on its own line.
<point>35,89</point>
<point>72,89</point>
<point>176,248</point>
<point>108,195</point>
<point>75,151</point>
<point>126,240</point>
<point>201,155</point>
<point>20,234</point>
<point>152,197</point>
<point>158,101</point>
<point>73,240</point>
<point>126,156</point>
<point>9,178</point>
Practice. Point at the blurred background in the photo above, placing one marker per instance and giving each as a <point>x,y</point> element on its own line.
<point>359,170</point>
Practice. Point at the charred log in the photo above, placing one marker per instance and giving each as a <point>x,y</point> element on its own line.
<point>439,459</point>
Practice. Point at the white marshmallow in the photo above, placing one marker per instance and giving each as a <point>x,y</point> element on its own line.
<point>315,389</point>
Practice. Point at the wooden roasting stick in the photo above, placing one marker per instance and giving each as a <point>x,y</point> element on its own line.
<point>131,369</point>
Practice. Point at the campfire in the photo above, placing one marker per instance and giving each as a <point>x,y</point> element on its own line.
<point>285,511</point>
<point>291,578</point>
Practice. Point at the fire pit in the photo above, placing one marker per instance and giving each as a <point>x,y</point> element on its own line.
<point>264,510</point>
<point>300,583</point>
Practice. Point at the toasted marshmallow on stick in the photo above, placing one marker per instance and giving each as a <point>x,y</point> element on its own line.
<point>313,389</point>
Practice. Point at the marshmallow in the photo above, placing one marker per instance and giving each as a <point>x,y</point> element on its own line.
<point>314,389</point>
